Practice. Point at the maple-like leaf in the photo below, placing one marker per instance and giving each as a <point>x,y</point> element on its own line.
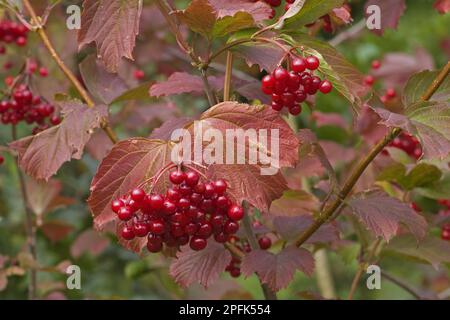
<point>266,56</point>
<point>41,155</point>
<point>383,214</point>
<point>113,25</point>
<point>202,267</point>
<point>431,249</point>
<point>258,10</point>
<point>391,11</point>
<point>129,163</point>
<point>183,82</point>
<point>419,83</point>
<point>290,228</point>
<point>278,269</point>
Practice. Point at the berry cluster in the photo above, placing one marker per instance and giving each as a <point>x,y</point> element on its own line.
<point>409,144</point>
<point>191,211</point>
<point>24,106</point>
<point>12,32</point>
<point>369,80</point>
<point>291,88</point>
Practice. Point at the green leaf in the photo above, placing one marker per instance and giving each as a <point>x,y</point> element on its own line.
<point>419,83</point>
<point>437,190</point>
<point>421,175</point>
<point>311,11</point>
<point>400,156</point>
<point>293,10</point>
<point>138,93</point>
<point>345,77</point>
<point>229,24</point>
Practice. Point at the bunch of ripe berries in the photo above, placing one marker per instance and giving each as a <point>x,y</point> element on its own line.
<point>191,211</point>
<point>290,88</point>
<point>12,32</point>
<point>24,106</point>
<point>409,144</point>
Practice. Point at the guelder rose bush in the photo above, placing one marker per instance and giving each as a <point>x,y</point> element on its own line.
<point>208,218</point>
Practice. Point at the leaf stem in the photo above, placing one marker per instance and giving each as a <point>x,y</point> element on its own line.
<point>29,225</point>
<point>246,222</point>
<point>228,75</point>
<point>67,72</point>
<point>362,267</point>
<point>400,283</point>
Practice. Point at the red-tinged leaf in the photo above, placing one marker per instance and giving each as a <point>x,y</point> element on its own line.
<point>419,83</point>
<point>113,25</point>
<point>199,16</point>
<point>326,119</point>
<point>442,6</point>
<point>290,229</point>
<point>165,131</point>
<point>56,230</point>
<point>182,82</point>
<point>342,14</point>
<point>391,11</point>
<point>41,155</point>
<point>150,115</point>
<point>396,68</point>
<point>429,120</point>
<point>277,270</point>
<point>266,56</point>
<point>432,250</point>
<point>203,267</point>
<point>383,214</point>
<point>129,163</point>
<point>99,145</point>
<point>89,242</point>
<point>294,203</point>
<point>104,86</point>
<point>258,10</point>
<point>41,194</point>
<point>242,180</point>
<point>252,91</point>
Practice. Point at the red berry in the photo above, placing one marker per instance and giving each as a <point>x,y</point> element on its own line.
<point>140,229</point>
<point>156,201</point>
<point>2,159</point>
<point>298,65</point>
<point>281,76</point>
<point>369,80</point>
<point>276,106</point>
<point>390,93</point>
<point>235,272</point>
<point>376,64</point>
<point>125,213</point>
<point>197,243</point>
<point>268,81</point>
<point>127,233</point>
<point>295,110</point>
<point>21,41</point>
<point>169,207</point>
<point>55,120</point>
<point>230,227</point>
<point>325,86</point>
<point>312,63</point>
<point>177,177</point>
<point>116,205</point>
<point>220,186</point>
<point>274,3</point>
<point>235,212</point>
<point>157,227</point>
<point>43,72</point>
<point>192,178</point>
<point>139,74</point>
<point>445,235</point>
<point>220,237</point>
<point>265,243</point>
<point>138,195</point>
<point>205,230</point>
<point>154,247</point>
<point>293,82</point>
<point>300,96</point>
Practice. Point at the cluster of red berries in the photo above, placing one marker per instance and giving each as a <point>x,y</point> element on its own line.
<point>409,144</point>
<point>291,88</point>
<point>12,32</point>
<point>24,106</point>
<point>445,232</point>
<point>369,80</point>
<point>191,211</point>
<point>234,267</point>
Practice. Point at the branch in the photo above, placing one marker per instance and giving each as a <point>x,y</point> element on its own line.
<point>228,75</point>
<point>349,33</point>
<point>268,293</point>
<point>68,73</point>
<point>402,284</point>
<point>436,82</point>
<point>29,224</point>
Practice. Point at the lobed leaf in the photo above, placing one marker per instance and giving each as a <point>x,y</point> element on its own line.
<point>418,84</point>
<point>390,10</point>
<point>290,228</point>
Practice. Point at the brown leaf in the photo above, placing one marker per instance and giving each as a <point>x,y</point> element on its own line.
<point>277,270</point>
<point>202,267</point>
<point>41,194</point>
<point>383,214</point>
<point>258,10</point>
<point>199,16</point>
<point>113,25</point>
<point>41,155</point>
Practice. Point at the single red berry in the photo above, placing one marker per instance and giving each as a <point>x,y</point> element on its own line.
<point>205,230</point>
<point>125,213</point>
<point>288,99</point>
<point>235,272</point>
<point>230,227</point>
<point>21,41</point>
<point>127,233</point>
<point>209,190</point>
<point>138,195</point>
<point>376,64</point>
<point>300,96</point>
<point>157,227</point>
<point>191,228</point>
<point>312,63</point>
<point>197,243</point>
<point>445,234</point>
<point>139,74</point>
<point>55,120</point>
<point>220,237</point>
<point>235,212</point>
<point>156,201</point>
<point>281,76</point>
<point>43,72</point>
<point>2,159</point>
<point>222,202</point>
<point>298,65</point>
<point>325,86</point>
<point>192,178</point>
<point>295,110</point>
<point>116,205</point>
<point>268,81</point>
<point>390,93</point>
<point>200,188</point>
<point>220,186</point>
<point>154,247</point>
<point>169,207</point>
<point>177,177</point>
<point>293,82</point>
<point>265,243</point>
<point>276,106</point>
<point>369,80</point>
<point>140,229</point>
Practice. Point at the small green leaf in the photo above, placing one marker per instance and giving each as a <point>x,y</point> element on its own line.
<point>138,93</point>
<point>419,83</point>
<point>311,11</point>
<point>229,24</point>
<point>437,190</point>
<point>421,175</point>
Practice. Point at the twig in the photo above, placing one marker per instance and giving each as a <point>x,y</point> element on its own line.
<point>29,224</point>
<point>208,90</point>
<point>68,73</point>
<point>402,284</point>
<point>324,277</point>
<point>268,293</point>
<point>362,267</point>
<point>228,75</point>
<point>349,33</point>
<point>436,82</point>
